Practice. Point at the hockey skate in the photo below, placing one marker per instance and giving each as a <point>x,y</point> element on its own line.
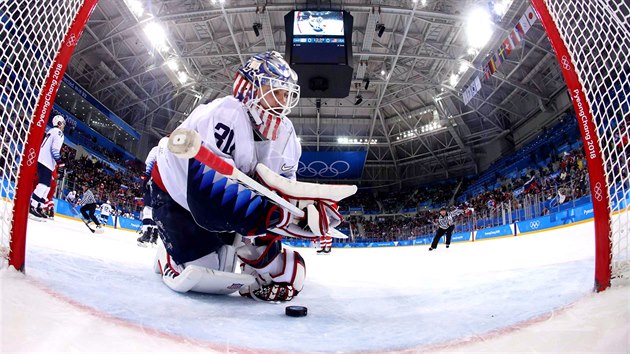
<point>154,237</point>
<point>35,214</point>
<point>324,250</point>
<point>145,239</point>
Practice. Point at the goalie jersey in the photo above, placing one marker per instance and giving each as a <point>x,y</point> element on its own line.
<point>226,129</point>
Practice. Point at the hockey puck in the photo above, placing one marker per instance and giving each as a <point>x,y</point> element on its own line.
<point>296,311</point>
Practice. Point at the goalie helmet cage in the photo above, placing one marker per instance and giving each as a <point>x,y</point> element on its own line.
<point>37,41</point>
<point>591,40</point>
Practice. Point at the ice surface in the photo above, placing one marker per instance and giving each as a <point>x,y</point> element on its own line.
<point>96,293</point>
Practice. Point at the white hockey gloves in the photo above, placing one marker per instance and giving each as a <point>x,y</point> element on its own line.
<point>279,272</point>
<point>319,202</point>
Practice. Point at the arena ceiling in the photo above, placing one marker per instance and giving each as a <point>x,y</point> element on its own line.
<point>409,69</point>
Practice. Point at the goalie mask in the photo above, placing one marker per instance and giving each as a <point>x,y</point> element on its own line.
<point>268,87</point>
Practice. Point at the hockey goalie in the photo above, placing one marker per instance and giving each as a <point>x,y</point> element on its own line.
<point>204,217</point>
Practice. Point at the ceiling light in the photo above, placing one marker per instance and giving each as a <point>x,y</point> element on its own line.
<point>135,7</point>
<point>478,27</point>
<point>500,7</point>
<point>156,35</point>
<point>463,67</point>
<point>453,80</point>
<point>172,64</point>
<point>182,77</point>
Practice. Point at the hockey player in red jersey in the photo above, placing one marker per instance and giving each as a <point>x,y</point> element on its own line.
<point>201,214</point>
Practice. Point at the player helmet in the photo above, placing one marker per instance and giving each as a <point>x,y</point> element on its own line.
<point>58,120</point>
<point>108,202</point>
<point>267,69</point>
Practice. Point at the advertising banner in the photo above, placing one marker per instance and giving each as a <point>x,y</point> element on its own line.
<point>498,231</point>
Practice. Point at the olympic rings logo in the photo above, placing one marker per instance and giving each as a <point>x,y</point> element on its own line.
<point>321,169</point>
<point>72,40</point>
<point>565,63</point>
<point>30,158</point>
<point>534,224</point>
<point>598,192</point>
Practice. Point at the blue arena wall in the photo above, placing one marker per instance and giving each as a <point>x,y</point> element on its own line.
<point>562,218</point>
<point>66,209</point>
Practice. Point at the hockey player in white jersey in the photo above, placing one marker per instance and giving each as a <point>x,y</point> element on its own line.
<point>49,158</point>
<point>149,228</point>
<point>106,211</point>
<point>201,214</point>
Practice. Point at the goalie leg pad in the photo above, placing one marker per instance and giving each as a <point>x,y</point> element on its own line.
<point>195,277</point>
<point>210,261</point>
<point>208,281</point>
<point>227,258</point>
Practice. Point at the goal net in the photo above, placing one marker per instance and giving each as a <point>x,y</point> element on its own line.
<point>592,41</point>
<point>36,41</point>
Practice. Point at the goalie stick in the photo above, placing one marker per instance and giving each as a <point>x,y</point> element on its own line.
<point>186,143</point>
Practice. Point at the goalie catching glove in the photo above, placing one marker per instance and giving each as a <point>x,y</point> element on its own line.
<point>279,272</point>
<point>319,202</point>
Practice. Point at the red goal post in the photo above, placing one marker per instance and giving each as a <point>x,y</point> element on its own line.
<point>592,41</point>
<point>37,41</point>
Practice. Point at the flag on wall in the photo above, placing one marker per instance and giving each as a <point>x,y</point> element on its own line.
<point>530,15</point>
<point>472,90</point>
<point>513,41</point>
<point>501,53</point>
<point>516,38</point>
<point>486,72</point>
<point>524,23</point>
<point>508,45</point>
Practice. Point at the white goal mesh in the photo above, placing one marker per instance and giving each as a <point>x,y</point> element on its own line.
<point>596,34</point>
<point>31,35</point>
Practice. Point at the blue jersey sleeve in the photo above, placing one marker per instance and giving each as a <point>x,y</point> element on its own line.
<point>220,204</point>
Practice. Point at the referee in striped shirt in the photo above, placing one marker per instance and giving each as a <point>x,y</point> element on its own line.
<point>446,225</point>
<point>88,206</point>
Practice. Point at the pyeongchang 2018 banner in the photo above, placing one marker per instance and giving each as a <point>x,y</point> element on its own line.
<point>331,165</point>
